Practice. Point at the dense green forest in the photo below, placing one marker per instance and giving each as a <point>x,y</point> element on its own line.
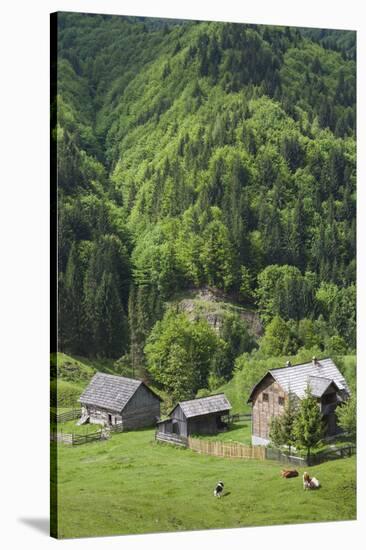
<point>197,155</point>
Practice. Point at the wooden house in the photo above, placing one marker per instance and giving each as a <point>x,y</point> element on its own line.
<point>116,400</point>
<point>269,395</point>
<point>197,416</point>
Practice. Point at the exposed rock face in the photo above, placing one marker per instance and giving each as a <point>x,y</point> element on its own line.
<point>212,304</point>
<point>254,322</point>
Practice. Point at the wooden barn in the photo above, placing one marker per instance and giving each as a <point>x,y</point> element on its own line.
<point>197,416</point>
<point>269,395</point>
<point>116,400</point>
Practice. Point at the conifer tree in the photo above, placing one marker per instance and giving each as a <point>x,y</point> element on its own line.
<point>282,427</point>
<point>308,425</point>
<point>287,421</point>
<point>275,431</point>
<point>346,416</point>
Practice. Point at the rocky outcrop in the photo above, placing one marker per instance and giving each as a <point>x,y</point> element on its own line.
<point>212,305</point>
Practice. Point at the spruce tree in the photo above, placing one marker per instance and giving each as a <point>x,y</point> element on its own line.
<point>275,431</point>
<point>288,419</point>
<point>346,416</point>
<point>282,427</point>
<point>71,302</point>
<point>308,425</point>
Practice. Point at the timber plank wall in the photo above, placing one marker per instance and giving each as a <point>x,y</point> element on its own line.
<point>263,411</point>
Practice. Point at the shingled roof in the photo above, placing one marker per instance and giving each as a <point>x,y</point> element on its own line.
<point>319,385</point>
<point>204,405</point>
<point>110,392</point>
<point>319,375</point>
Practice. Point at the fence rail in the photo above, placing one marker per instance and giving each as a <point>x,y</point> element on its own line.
<point>226,449</point>
<point>329,454</point>
<point>61,437</point>
<point>230,418</point>
<point>116,428</point>
<point>57,418</point>
<point>174,439</point>
<point>332,454</point>
<point>76,439</point>
<point>238,450</point>
<point>277,454</point>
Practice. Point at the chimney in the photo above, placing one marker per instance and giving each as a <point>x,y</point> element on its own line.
<point>288,364</point>
<point>315,362</point>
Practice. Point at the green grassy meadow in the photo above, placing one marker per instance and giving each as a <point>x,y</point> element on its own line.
<point>131,484</point>
<point>240,432</point>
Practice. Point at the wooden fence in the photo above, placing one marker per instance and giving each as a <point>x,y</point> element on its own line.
<point>76,439</point>
<point>116,428</point>
<point>329,454</point>
<point>230,418</point>
<point>277,454</point>
<point>56,418</point>
<point>174,439</point>
<point>60,437</point>
<point>223,448</point>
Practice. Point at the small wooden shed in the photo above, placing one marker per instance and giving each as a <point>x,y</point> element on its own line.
<point>269,395</point>
<point>116,400</point>
<point>197,416</point>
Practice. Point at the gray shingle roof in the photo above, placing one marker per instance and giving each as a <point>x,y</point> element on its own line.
<point>205,405</point>
<point>319,384</point>
<point>109,391</point>
<point>295,378</point>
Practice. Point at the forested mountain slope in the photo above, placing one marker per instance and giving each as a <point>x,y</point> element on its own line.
<point>196,154</point>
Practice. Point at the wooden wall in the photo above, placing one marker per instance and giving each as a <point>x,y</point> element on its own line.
<point>165,427</point>
<point>179,416</point>
<point>142,410</point>
<point>101,416</point>
<point>263,411</point>
<point>205,424</point>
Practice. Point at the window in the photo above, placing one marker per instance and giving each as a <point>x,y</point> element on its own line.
<point>265,397</point>
<point>281,401</point>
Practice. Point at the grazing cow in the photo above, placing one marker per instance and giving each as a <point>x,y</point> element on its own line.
<point>310,482</point>
<point>289,473</point>
<point>219,489</point>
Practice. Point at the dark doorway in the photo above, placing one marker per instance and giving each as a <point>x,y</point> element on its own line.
<point>220,424</point>
<point>110,419</point>
<point>176,429</point>
<point>331,424</point>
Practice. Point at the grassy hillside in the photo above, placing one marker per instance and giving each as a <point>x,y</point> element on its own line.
<point>236,392</point>
<point>111,487</point>
<point>70,375</point>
